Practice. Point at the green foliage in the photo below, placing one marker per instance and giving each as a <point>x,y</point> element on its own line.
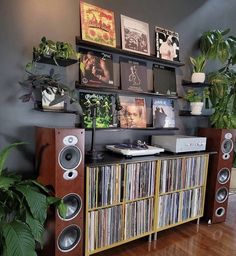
<point>48,82</point>
<point>193,96</point>
<point>23,211</point>
<point>218,45</point>
<point>198,63</point>
<point>54,50</point>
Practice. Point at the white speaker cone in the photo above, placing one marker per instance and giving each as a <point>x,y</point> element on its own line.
<point>69,238</point>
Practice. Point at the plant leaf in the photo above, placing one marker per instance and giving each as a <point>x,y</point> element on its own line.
<point>37,201</point>
<point>4,154</point>
<point>6,182</point>
<point>18,239</point>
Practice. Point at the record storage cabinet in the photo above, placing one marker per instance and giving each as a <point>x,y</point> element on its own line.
<point>127,199</point>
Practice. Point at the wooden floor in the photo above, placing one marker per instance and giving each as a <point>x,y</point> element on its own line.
<point>187,240</point>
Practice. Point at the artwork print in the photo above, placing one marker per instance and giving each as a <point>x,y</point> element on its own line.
<point>97,25</point>
<point>135,35</point>
<point>96,68</point>
<point>133,75</point>
<point>133,112</point>
<point>167,44</point>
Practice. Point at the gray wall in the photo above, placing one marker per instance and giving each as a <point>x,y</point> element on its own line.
<point>24,22</point>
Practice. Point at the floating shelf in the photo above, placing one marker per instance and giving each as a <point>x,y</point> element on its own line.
<point>187,113</point>
<point>117,50</point>
<point>138,129</point>
<point>61,62</point>
<point>116,90</point>
<point>55,111</point>
<point>197,85</point>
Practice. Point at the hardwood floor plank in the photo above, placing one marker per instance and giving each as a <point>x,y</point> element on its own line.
<point>187,240</point>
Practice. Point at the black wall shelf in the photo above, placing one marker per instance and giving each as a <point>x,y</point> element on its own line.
<point>116,90</point>
<point>137,129</point>
<point>49,60</point>
<point>196,85</point>
<point>187,113</point>
<point>55,111</point>
<point>152,58</point>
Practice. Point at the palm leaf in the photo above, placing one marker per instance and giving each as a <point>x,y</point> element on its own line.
<point>18,239</point>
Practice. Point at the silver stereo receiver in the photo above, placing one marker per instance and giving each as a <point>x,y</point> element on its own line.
<point>179,143</point>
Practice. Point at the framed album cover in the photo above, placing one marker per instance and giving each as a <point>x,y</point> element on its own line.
<point>104,109</point>
<point>133,75</point>
<point>164,80</point>
<point>135,35</point>
<point>133,112</point>
<point>96,68</point>
<point>167,44</point>
<point>163,113</point>
<point>97,25</point>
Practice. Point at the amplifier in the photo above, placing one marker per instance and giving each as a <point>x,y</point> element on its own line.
<point>179,143</point>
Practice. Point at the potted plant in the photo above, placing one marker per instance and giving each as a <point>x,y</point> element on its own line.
<point>59,53</point>
<point>218,45</point>
<point>23,211</point>
<point>196,101</point>
<point>49,84</point>
<point>198,63</point>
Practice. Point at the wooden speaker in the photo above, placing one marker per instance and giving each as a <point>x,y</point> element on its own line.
<point>60,157</point>
<point>217,192</point>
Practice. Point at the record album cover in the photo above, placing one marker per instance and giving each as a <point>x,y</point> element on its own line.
<point>103,107</point>
<point>97,25</point>
<point>163,113</point>
<point>96,68</point>
<point>133,112</point>
<point>135,35</point>
<point>133,75</point>
<point>164,80</point>
<point>167,44</point>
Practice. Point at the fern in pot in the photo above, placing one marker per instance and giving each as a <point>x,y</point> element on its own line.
<point>23,211</point>
<point>196,101</point>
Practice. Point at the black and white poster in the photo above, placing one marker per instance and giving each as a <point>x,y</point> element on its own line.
<point>167,44</point>
<point>96,68</point>
<point>133,75</point>
<point>135,35</point>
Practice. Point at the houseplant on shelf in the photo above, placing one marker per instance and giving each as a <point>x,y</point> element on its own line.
<point>196,98</point>
<point>23,211</point>
<point>217,45</point>
<point>50,83</point>
<point>55,52</point>
<point>198,64</point>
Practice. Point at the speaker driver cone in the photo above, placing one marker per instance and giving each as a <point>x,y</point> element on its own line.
<point>227,146</point>
<point>70,157</point>
<point>73,204</point>
<point>223,175</point>
<point>220,211</point>
<point>69,238</point>
<point>221,195</point>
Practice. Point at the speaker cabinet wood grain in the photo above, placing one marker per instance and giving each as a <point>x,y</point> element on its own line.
<point>219,172</point>
<point>60,161</point>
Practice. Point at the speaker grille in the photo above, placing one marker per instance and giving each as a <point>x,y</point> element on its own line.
<point>69,238</point>
<point>70,157</point>
<point>223,175</point>
<point>227,146</point>
<point>73,203</point>
<point>221,195</point>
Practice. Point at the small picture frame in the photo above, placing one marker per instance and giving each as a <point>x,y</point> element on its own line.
<point>96,68</point>
<point>167,44</point>
<point>135,35</point>
<point>97,24</point>
<point>133,75</point>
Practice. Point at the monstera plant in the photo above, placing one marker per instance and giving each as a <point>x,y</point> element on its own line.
<point>219,46</point>
<point>23,211</point>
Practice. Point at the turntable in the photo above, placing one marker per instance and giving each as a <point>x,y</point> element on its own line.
<point>138,149</point>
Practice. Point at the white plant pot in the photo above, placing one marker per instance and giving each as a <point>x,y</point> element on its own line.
<point>198,77</point>
<point>196,108</point>
<point>47,98</point>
